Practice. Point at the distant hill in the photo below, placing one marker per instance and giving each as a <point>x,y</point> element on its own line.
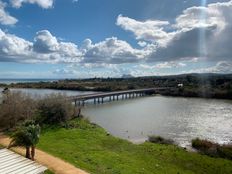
<point>125,76</point>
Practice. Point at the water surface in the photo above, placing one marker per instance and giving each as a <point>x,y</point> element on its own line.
<point>178,118</point>
<point>35,93</point>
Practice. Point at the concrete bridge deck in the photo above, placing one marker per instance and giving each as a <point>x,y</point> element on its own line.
<point>99,97</point>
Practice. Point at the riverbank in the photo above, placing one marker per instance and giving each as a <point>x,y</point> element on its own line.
<point>91,148</point>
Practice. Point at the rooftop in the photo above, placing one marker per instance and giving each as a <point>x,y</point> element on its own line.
<point>12,163</point>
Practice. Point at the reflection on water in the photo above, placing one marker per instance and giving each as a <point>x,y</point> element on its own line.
<point>181,119</point>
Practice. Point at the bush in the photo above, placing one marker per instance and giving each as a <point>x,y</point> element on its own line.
<point>202,144</point>
<point>55,109</point>
<point>225,151</point>
<point>212,149</point>
<point>80,123</point>
<point>159,140</point>
<point>15,108</point>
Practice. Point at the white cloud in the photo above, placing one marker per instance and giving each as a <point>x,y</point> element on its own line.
<point>223,67</point>
<point>142,43</point>
<point>45,48</point>
<point>200,17</point>
<point>44,42</point>
<point>42,3</point>
<point>112,51</point>
<point>164,65</point>
<point>5,17</point>
<point>170,45</point>
<point>199,32</point>
<point>150,30</point>
<point>64,71</point>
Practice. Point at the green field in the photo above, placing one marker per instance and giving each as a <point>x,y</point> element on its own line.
<point>89,147</point>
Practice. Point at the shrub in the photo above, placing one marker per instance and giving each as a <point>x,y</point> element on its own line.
<point>212,149</point>
<point>159,140</point>
<point>202,144</point>
<point>225,151</point>
<point>55,109</point>
<point>80,123</point>
<point>15,108</point>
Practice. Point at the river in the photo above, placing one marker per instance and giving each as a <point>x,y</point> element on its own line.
<point>177,118</point>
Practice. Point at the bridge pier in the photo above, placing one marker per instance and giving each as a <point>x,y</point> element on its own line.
<point>77,102</point>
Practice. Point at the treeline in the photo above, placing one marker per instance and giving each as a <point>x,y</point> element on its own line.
<point>194,85</point>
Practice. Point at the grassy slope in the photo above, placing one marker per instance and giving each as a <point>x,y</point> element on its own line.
<point>48,172</point>
<point>90,148</point>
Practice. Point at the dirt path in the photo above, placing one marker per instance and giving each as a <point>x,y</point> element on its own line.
<point>55,164</point>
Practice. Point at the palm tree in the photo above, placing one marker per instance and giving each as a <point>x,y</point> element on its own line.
<point>27,135</point>
<point>20,138</point>
<point>33,135</point>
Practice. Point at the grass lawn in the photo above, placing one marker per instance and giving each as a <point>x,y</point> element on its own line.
<point>88,147</point>
<point>48,172</point>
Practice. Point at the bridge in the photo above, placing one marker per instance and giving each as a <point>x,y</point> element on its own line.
<point>112,96</point>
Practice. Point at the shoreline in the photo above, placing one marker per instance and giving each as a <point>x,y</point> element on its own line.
<point>89,146</point>
<point>93,90</point>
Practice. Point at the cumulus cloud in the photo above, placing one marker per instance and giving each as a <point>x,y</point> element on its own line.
<point>223,67</point>
<point>45,48</point>
<point>42,3</point>
<point>198,32</point>
<point>44,42</point>
<point>112,51</point>
<point>150,30</point>
<point>5,17</point>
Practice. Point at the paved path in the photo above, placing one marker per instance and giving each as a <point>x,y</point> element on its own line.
<point>53,163</point>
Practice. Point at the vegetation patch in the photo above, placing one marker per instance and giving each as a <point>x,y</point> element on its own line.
<point>17,107</point>
<point>159,140</point>
<point>89,147</point>
<point>194,85</point>
<point>213,149</point>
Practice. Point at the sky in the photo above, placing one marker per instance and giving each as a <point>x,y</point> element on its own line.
<point>111,38</point>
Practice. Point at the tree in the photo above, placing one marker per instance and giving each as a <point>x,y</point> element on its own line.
<point>26,135</point>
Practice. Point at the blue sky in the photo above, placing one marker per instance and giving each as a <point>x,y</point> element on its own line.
<point>102,38</point>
